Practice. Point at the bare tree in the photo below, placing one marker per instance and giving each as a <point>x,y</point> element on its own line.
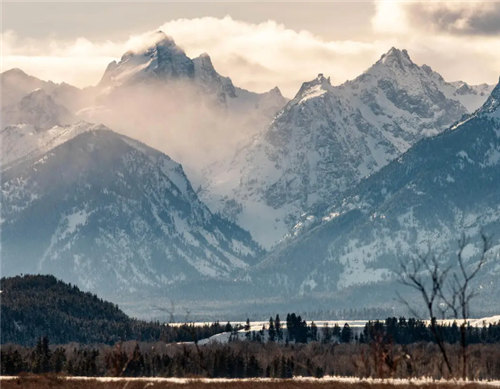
<point>417,274</point>
<point>191,329</point>
<point>171,311</point>
<point>427,275</point>
<point>459,295</point>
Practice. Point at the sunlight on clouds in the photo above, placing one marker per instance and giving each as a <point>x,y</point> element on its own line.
<point>255,56</point>
<point>261,56</point>
<point>290,57</point>
<point>390,17</point>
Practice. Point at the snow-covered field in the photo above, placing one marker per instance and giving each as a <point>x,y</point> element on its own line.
<point>356,325</point>
<point>257,325</point>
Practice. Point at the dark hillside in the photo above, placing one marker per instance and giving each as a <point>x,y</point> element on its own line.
<point>34,306</point>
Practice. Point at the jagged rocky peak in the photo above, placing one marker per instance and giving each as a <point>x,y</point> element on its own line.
<point>204,60</point>
<point>321,79</point>
<point>394,62</point>
<point>319,83</point>
<point>204,67</point>
<point>154,42</point>
<point>465,89</point>
<point>158,57</point>
<point>433,74</point>
<point>276,91</point>
<point>396,57</point>
<point>211,81</point>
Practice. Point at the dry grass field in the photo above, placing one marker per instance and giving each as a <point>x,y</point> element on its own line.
<point>56,382</point>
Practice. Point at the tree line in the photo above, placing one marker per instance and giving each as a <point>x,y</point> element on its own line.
<point>247,359</point>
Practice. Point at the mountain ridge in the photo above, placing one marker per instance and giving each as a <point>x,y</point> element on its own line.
<point>325,140</point>
<point>113,215</point>
<point>440,188</point>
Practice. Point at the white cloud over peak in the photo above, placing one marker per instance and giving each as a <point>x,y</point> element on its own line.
<point>259,56</point>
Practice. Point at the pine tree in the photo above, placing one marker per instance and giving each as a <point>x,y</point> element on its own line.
<point>327,334</point>
<point>272,330</point>
<point>41,356</point>
<point>279,331</point>
<point>346,335</point>
<point>314,332</point>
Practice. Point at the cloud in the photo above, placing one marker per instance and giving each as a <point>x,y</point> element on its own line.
<point>464,18</point>
<point>259,56</point>
<point>390,17</point>
<point>79,62</point>
<point>457,39</point>
<point>290,57</point>
<point>446,17</point>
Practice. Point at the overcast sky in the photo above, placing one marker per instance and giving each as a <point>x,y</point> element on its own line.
<point>259,45</point>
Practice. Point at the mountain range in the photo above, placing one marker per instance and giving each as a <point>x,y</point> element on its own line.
<point>160,96</point>
<point>440,188</point>
<point>109,213</point>
<point>305,199</point>
<point>328,138</point>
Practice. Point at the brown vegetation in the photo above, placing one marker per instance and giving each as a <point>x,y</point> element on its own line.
<point>55,382</point>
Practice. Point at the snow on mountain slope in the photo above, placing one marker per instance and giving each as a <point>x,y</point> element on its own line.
<point>38,109</point>
<point>439,188</point>
<point>189,110</point>
<point>325,140</point>
<point>471,97</point>
<point>114,216</point>
<point>24,141</point>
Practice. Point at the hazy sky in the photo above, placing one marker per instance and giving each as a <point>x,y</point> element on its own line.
<point>260,44</point>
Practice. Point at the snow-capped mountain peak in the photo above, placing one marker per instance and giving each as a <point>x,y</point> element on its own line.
<point>327,139</point>
<point>161,60</point>
<point>317,86</point>
<point>441,187</point>
<point>159,88</point>
<point>396,57</point>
